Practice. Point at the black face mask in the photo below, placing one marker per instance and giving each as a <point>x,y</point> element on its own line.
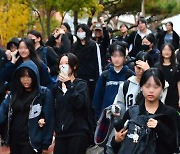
<point>145,47</point>
<point>33,40</point>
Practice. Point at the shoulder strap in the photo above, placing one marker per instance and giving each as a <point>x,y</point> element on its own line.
<point>134,42</point>
<point>42,93</point>
<point>133,111</point>
<point>104,77</point>
<point>125,87</point>
<point>128,74</point>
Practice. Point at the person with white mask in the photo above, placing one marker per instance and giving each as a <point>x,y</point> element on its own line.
<point>89,57</point>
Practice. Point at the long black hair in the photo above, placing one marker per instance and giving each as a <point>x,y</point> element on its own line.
<point>170,23</point>
<point>38,35</point>
<point>32,53</point>
<point>144,56</point>
<point>86,29</point>
<point>17,88</point>
<point>156,74</point>
<point>117,46</point>
<point>67,26</point>
<point>172,58</point>
<point>72,61</point>
<point>151,38</point>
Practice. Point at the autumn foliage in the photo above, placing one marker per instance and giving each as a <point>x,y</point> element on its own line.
<point>14,18</point>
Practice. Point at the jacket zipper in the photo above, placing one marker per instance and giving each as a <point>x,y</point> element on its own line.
<point>28,122</point>
<point>62,126</point>
<point>10,118</point>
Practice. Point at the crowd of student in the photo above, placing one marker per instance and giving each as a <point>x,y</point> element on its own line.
<point>60,88</point>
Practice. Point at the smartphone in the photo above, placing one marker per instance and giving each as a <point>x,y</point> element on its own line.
<point>126,125</point>
<point>64,69</point>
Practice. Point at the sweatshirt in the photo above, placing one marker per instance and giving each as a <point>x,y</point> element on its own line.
<point>71,108</point>
<point>104,96</point>
<point>166,132</point>
<point>135,42</point>
<point>133,89</point>
<point>88,60</point>
<point>42,104</point>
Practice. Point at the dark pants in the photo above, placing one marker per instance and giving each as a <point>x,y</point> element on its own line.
<point>91,87</point>
<point>22,149</point>
<point>71,145</point>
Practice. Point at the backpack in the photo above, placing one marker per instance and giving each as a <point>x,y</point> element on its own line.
<point>42,94</point>
<point>140,139</point>
<point>125,88</point>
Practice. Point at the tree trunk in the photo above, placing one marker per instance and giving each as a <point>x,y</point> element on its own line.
<point>89,22</point>
<point>42,25</point>
<point>48,24</point>
<point>143,8</point>
<point>75,20</point>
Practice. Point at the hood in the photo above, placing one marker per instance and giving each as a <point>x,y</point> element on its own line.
<point>86,29</point>
<point>14,40</point>
<point>31,65</point>
<point>132,79</point>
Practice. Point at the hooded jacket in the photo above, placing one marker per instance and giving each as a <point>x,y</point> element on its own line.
<point>49,57</point>
<point>130,96</point>
<point>175,42</point>
<point>7,72</point>
<point>135,39</point>
<point>154,53</point>
<point>88,67</point>
<point>65,46</point>
<point>42,103</point>
<point>132,91</point>
<point>104,96</point>
<point>103,43</point>
<point>71,108</point>
<point>88,60</point>
<point>166,132</point>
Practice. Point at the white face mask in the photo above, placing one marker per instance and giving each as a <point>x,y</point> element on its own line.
<point>81,35</point>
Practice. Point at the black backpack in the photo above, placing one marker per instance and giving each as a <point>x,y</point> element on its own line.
<point>140,139</point>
